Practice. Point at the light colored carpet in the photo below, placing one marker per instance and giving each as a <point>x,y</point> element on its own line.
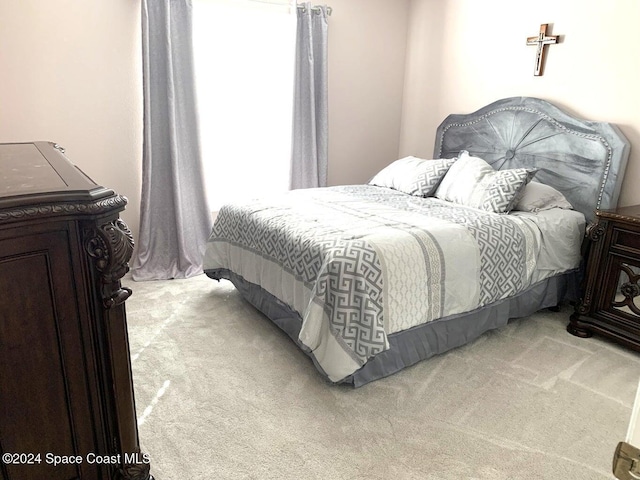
<point>222,393</point>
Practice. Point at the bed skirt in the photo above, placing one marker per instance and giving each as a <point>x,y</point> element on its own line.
<point>410,346</point>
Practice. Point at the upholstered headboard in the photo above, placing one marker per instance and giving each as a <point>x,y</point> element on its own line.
<point>585,160</point>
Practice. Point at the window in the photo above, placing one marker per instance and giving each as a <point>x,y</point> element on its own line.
<point>244,65</point>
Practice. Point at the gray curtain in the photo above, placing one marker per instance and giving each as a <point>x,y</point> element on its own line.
<point>174,220</point>
<point>310,130</point>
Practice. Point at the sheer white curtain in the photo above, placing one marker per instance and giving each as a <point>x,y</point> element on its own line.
<point>244,54</point>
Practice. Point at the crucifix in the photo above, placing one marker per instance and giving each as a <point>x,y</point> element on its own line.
<point>541,41</point>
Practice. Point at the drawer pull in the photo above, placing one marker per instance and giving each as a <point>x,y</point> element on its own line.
<point>118,297</point>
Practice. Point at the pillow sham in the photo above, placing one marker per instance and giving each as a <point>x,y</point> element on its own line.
<point>538,196</point>
<point>412,175</point>
<point>474,183</point>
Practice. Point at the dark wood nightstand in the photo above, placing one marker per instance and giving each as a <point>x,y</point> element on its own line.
<point>610,303</point>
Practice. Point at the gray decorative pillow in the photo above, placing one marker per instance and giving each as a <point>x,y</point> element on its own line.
<point>538,196</point>
<point>474,183</point>
<point>414,176</point>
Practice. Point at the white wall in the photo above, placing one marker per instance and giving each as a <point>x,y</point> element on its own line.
<point>464,54</point>
<point>70,72</point>
<point>367,41</point>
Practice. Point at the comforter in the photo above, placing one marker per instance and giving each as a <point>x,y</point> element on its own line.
<point>358,263</point>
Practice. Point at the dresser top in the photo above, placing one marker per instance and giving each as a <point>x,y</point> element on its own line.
<point>38,172</point>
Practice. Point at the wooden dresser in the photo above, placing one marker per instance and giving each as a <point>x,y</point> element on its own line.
<point>66,394</point>
<point>610,304</point>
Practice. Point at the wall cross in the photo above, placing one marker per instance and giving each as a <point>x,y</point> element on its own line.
<point>542,40</point>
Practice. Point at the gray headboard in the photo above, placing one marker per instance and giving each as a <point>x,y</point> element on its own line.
<point>585,160</point>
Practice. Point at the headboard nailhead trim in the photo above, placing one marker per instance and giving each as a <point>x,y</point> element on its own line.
<point>552,121</point>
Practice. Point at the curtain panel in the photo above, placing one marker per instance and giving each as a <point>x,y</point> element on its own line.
<point>174,220</point>
<point>310,111</point>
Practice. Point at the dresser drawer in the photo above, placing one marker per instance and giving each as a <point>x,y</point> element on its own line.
<point>626,239</point>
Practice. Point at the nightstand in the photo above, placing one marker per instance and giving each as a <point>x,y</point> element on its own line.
<point>610,303</point>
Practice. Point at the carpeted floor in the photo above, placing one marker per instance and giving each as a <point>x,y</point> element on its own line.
<point>222,393</point>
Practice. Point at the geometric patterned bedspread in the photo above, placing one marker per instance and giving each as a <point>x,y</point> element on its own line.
<point>361,262</point>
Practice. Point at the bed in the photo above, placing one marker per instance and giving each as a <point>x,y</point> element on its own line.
<point>431,253</point>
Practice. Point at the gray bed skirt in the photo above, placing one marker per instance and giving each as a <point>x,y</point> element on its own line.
<point>423,341</point>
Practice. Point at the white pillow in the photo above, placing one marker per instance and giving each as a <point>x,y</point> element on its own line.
<point>415,176</point>
<point>473,182</point>
<point>537,196</point>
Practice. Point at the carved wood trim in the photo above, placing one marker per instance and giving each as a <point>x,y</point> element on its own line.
<point>111,246</point>
<point>594,233</point>
<point>629,290</point>
<point>618,216</point>
<point>117,202</point>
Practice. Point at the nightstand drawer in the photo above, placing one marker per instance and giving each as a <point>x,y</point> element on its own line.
<point>625,239</point>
